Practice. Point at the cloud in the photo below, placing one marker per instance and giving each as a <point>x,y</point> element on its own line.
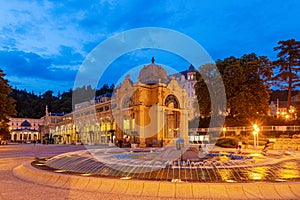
<point>67,56</point>
<point>49,39</point>
<point>22,64</point>
<point>43,26</point>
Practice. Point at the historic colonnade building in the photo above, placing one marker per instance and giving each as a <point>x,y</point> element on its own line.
<point>153,109</point>
<point>150,112</point>
<point>24,129</point>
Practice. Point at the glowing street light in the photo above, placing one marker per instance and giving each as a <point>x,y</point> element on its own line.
<point>255,127</point>
<point>254,139</point>
<point>255,136</point>
<point>224,131</point>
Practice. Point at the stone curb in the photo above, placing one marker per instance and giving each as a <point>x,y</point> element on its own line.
<point>286,190</point>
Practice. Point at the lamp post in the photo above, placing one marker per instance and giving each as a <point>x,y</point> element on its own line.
<point>254,139</point>
<point>224,131</point>
<point>176,133</point>
<point>255,136</point>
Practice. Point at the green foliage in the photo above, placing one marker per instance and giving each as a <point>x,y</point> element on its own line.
<point>196,122</point>
<point>281,95</point>
<point>82,94</point>
<point>105,89</point>
<point>86,93</point>
<point>246,82</point>
<point>288,63</point>
<point>204,101</point>
<point>7,106</point>
<point>210,86</point>
<point>33,106</point>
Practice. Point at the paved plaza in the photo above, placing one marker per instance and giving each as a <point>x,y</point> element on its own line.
<point>20,181</point>
<point>13,188</point>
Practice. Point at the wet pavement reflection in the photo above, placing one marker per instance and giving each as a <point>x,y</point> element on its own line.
<point>215,167</point>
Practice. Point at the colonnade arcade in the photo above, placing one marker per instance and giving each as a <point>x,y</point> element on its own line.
<point>96,131</point>
<point>25,135</point>
<point>86,131</point>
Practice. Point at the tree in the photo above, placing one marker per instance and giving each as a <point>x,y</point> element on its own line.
<point>209,86</point>
<point>288,63</point>
<point>246,81</point>
<point>33,106</point>
<point>246,85</point>
<point>105,89</point>
<point>7,106</point>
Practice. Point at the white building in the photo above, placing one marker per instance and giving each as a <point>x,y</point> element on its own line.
<point>187,81</point>
<point>25,129</point>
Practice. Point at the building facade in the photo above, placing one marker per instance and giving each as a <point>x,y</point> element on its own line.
<point>25,129</point>
<point>150,112</point>
<point>187,80</point>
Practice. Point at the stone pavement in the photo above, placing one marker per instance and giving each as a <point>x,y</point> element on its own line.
<point>19,180</point>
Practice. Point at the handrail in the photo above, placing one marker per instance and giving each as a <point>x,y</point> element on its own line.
<point>246,128</point>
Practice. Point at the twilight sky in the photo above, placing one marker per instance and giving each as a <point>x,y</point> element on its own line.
<point>44,42</point>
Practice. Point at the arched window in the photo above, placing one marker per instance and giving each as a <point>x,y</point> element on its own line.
<point>172,99</point>
<point>127,101</point>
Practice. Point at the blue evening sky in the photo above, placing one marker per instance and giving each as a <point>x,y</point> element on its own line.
<point>44,42</point>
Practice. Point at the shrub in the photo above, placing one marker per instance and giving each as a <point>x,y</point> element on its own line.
<point>227,142</point>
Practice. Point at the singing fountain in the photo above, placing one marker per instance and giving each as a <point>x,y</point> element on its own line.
<point>169,172</point>
<point>171,164</point>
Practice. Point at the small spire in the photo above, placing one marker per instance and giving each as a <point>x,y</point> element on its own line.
<point>152,60</point>
<point>47,110</point>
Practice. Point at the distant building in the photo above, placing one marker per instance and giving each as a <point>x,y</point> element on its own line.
<point>187,80</point>
<point>49,128</point>
<point>279,108</point>
<point>25,129</point>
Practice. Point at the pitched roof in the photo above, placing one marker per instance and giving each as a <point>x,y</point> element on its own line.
<point>25,123</point>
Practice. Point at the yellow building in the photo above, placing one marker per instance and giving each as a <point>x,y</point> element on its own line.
<point>150,112</point>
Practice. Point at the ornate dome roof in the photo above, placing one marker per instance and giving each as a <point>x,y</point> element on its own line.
<point>152,74</point>
<point>25,123</point>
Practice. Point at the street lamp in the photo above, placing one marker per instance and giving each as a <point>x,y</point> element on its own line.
<point>255,136</point>
<point>254,139</point>
<point>287,117</point>
<point>224,131</point>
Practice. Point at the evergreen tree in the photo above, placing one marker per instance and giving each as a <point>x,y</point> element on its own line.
<point>7,106</point>
<point>288,63</point>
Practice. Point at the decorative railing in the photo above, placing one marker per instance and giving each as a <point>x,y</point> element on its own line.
<point>247,128</point>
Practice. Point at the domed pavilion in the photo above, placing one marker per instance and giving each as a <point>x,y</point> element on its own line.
<point>152,111</point>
